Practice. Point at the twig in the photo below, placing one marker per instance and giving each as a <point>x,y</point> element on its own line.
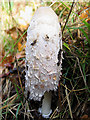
<point>67,96</point>
<point>57,7</point>
<point>54,113</point>
<point>28,111</point>
<point>9,104</point>
<point>8,99</point>
<point>81,71</point>
<point>81,76</point>
<point>12,113</point>
<point>66,87</point>
<point>53,3</point>
<point>75,92</point>
<point>68,16</point>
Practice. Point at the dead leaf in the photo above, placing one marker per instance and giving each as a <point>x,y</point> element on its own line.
<point>84,117</point>
<point>13,32</point>
<point>7,62</point>
<point>84,13</point>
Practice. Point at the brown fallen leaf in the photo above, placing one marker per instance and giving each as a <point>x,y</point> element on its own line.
<point>84,13</point>
<point>13,32</point>
<point>84,116</point>
<point>7,62</point>
<point>16,33</point>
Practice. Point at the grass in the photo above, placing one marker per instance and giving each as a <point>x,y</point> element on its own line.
<point>71,100</point>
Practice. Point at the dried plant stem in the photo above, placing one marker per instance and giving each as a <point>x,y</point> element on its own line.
<point>81,71</point>
<point>53,3</point>
<point>54,113</point>
<point>67,96</point>
<point>8,99</point>
<point>19,77</point>
<point>68,16</point>
<point>9,104</point>
<point>57,7</point>
<point>75,92</point>
<point>12,113</point>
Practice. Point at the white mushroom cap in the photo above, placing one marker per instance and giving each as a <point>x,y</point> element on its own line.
<point>43,43</point>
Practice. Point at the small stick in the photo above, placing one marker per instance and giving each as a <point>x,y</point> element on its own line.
<point>81,71</point>
<point>68,16</point>
<point>67,96</point>
<point>53,3</point>
<point>54,113</point>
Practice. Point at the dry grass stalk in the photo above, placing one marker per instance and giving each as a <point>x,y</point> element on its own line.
<point>81,71</point>
<point>67,96</point>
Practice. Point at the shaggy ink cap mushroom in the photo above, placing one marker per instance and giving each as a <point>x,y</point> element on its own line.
<point>44,41</point>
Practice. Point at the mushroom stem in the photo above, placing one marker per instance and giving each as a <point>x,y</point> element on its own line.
<point>46,105</point>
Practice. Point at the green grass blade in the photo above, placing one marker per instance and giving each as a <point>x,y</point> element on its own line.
<point>18,110</point>
<point>66,45</point>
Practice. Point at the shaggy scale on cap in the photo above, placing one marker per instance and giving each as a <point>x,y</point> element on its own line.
<point>44,40</point>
